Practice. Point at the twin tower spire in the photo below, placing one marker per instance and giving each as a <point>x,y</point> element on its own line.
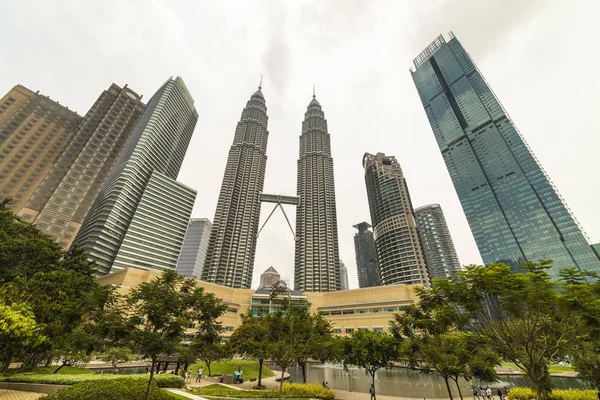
<point>232,245</point>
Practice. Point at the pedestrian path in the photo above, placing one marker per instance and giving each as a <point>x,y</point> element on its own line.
<point>348,395</point>
<point>6,394</point>
<point>181,393</point>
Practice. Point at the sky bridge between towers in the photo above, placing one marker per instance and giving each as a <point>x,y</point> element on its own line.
<point>279,201</point>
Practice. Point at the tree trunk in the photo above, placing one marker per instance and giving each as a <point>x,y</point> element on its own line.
<point>260,364</point>
<point>458,387</point>
<point>281,383</point>
<point>303,369</point>
<point>151,377</point>
<point>58,369</point>
<point>208,366</point>
<point>448,388</point>
<point>48,362</point>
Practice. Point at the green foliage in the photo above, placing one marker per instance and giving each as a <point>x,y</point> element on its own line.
<point>226,367</point>
<point>370,350</point>
<point>18,330</point>
<point>210,349</point>
<point>290,390</point>
<point>587,363</point>
<point>529,319</point>
<point>162,380</point>
<point>64,371</point>
<point>116,355</point>
<point>251,340</point>
<point>122,389</point>
<point>556,394</point>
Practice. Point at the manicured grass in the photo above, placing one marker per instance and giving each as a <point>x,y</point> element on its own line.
<point>176,396</point>
<point>62,371</point>
<point>166,380</point>
<point>290,390</point>
<point>551,368</point>
<point>249,368</point>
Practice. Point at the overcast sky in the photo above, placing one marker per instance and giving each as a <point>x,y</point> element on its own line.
<point>539,56</point>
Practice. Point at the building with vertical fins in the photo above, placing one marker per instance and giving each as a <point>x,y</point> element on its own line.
<point>440,254</point>
<point>232,245</point>
<point>34,131</point>
<point>343,276</point>
<point>514,211</point>
<point>141,214</point>
<point>316,267</point>
<point>367,265</point>
<point>399,250</point>
<point>63,199</point>
<point>194,249</point>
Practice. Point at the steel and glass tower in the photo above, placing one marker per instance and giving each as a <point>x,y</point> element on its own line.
<point>195,245</point>
<point>63,199</point>
<point>440,254</point>
<point>367,265</point>
<point>397,241</point>
<point>514,211</point>
<point>141,214</point>
<point>232,245</point>
<point>316,267</point>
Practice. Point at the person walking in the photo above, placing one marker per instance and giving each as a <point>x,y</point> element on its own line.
<point>372,391</point>
<point>488,393</point>
<point>499,394</point>
<point>199,377</point>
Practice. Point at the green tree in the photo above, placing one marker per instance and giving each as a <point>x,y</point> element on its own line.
<point>370,350</point>
<point>431,342</point>
<point>528,319</point>
<point>210,349</point>
<point>251,340</point>
<point>291,333</point>
<point>117,355</point>
<point>18,330</point>
<point>24,250</point>
<point>160,310</point>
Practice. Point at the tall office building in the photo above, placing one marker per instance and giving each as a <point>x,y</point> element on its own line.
<point>63,199</point>
<point>440,254</point>
<point>399,250</point>
<point>343,276</point>
<point>195,245</point>
<point>269,278</point>
<point>232,245</point>
<point>141,214</point>
<point>514,211</point>
<point>316,267</point>
<point>34,131</point>
<point>367,265</point>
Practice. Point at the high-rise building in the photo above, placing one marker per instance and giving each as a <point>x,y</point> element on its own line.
<point>141,214</point>
<point>343,276</point>
<point>514,211</point>
<point>316,267</point>
<point>367,265</point>
<point>269,278</point>
<point>34,131</point>
<point>440,254</point>
<point>399,250</point>
<point>195,245</point>
<point>63,199</point>
<point>232,245</point>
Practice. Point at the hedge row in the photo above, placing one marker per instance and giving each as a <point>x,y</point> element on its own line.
<point>557,394</point>
<point>122,389</point>
<point>162,380</point>
<point>290,390</point>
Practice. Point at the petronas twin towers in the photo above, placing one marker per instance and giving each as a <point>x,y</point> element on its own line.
<point>232,246</point>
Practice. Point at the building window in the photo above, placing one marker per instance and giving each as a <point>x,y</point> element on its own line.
<point>349,330</point>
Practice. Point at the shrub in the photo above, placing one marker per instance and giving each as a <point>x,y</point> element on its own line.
<point>122,389</point>
<point>557,394</point>
<point>308,390</point>
<point>63,371</point>
<point>163,380</point>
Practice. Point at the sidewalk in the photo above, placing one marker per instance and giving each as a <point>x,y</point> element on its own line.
<point>6,394</point>
<point>347,395</point>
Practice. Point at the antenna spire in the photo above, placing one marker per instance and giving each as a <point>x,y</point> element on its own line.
<point>260,84</point>
<point>314,91</point>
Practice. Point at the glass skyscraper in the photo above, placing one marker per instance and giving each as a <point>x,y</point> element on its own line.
<point>367,265</point>
<point>194,249</point>
<point>440,254</point>
<point>513,209</point>
<point>141,214</point>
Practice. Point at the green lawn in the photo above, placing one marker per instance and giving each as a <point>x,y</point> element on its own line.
<point>176,396</point>
<point>289,391</point>
<point>551,368</point>
<point>249,368</point>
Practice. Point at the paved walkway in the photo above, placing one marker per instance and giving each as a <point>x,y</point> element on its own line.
<point>6,394</point>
